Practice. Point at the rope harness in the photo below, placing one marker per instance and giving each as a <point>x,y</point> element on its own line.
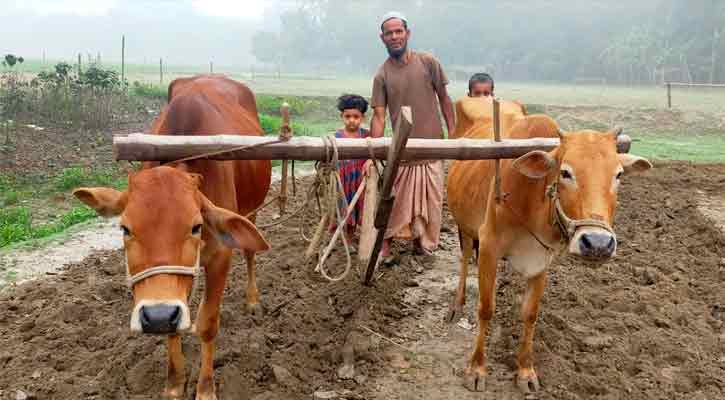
<point>567,226</point>
<point>193,271</point>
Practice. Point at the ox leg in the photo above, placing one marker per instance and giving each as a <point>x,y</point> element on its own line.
<point>475,375</point>
<point>253,305</point>
<point>526,377</point>
<point>176,377</point>
<point>207,322</point>
<point>456,310</point>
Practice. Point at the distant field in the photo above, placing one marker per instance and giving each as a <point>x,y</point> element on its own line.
<point>564,94</point>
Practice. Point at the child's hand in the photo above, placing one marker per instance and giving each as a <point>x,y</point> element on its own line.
<point>366,166</point>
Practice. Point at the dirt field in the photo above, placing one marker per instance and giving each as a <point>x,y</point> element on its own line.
<point>647,325</point>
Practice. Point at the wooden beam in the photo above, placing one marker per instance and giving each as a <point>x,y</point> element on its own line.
<point>403,127</point>
<point>142,147</point>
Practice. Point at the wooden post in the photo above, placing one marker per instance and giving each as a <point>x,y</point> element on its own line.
<point>403,127</point>
<point>497,138</point>
<point>285,132</point>
<point>123,59</point>
<point>368,233</point>
<point>669,95</point>
<point>80,71</point>
<point>161,71</point>
<point>211,67</point>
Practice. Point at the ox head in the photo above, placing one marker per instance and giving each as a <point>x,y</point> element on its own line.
<point>164,217</point>
<point>584,193</point>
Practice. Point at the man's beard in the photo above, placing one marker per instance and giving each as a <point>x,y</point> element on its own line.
<point>397,53</point>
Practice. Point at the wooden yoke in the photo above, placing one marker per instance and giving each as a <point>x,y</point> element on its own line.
<point>401,132</point>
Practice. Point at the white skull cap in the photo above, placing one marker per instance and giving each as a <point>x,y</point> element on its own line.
<point>391,15</point>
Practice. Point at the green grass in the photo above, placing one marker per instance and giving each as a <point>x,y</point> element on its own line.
<point>73,177</point>
<point>149,90</point>
<point>16,224</point>
<point>695,148</point>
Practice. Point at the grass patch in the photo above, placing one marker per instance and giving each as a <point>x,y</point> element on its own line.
<point>694,148</point>
<point>148,90</point>
<point>16,224</point>
<point>73,177</point>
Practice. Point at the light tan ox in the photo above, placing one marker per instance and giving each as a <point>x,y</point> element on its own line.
<point>556,201</point>
<point>175,219</point>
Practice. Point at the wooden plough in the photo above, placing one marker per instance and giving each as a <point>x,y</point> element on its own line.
<point>168,148</point>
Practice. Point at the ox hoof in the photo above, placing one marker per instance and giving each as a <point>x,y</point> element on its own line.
<point>527,381</point>
<point>455,312</point>
<point>256,311</point>
<point>474,379</point>
<point>210,396</point>
<point>175,393</point>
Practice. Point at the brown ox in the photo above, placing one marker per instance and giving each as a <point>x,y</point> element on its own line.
<point>175,219</point>
<point>564,199</point>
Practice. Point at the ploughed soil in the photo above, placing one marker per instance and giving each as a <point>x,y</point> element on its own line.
<point>647,325</point>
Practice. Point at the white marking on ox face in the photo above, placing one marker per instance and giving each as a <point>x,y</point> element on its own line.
<point>593,244</point>
<point>184,319</point>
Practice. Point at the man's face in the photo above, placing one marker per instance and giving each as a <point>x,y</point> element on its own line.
<point>481,89</point>
<point>395,37</point>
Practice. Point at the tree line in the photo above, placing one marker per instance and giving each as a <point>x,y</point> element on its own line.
<point>635,42</point>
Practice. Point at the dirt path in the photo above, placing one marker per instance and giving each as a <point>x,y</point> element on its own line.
<point>648,325</point>
<point>20,264</point>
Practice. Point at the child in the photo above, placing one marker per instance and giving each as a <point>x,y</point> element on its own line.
<point>352,110</point>
<point>480,85</point>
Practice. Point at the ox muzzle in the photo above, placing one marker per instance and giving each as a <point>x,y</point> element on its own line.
<point>163,316</point>
<point>591,239</point>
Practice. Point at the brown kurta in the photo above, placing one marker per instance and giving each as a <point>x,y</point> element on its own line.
<point>418,187</point>
<point>413,84</point>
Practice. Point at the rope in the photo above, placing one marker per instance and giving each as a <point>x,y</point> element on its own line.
<point>238,148</point>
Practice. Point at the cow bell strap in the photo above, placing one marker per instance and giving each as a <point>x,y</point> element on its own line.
<point>566,225</point>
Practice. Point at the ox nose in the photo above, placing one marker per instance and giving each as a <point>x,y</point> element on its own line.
<point>160,319</point>
<point>597,246</point>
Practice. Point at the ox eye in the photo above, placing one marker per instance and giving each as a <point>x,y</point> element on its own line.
<point>566,174</point>
<point>196,229</point>
<point>125,230</point>
<point>619,175</point>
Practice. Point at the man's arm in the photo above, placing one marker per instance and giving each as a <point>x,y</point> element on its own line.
<point>446,109</point>
<point>377,124</point>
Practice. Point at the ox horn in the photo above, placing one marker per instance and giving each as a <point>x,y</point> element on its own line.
<point>560,132</point>
<point>617,131</point>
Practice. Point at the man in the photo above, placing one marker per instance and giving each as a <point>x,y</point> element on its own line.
<point>409,78</point>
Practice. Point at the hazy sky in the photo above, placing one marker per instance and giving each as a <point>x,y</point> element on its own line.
<point>180,31</point>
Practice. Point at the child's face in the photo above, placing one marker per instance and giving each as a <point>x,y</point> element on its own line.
<point>352,118</point>
<point>481,89</point>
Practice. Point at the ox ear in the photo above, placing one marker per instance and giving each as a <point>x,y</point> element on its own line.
<point>534,164</point>
<point>632,163</point>
<point>232,229</point>
<point>107,202</point>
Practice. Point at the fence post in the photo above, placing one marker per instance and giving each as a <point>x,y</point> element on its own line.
<point>161,71</point>
<point>79,65</point>
<point>669,95</point>
<point>123,59</point>
<point>211,67</point>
